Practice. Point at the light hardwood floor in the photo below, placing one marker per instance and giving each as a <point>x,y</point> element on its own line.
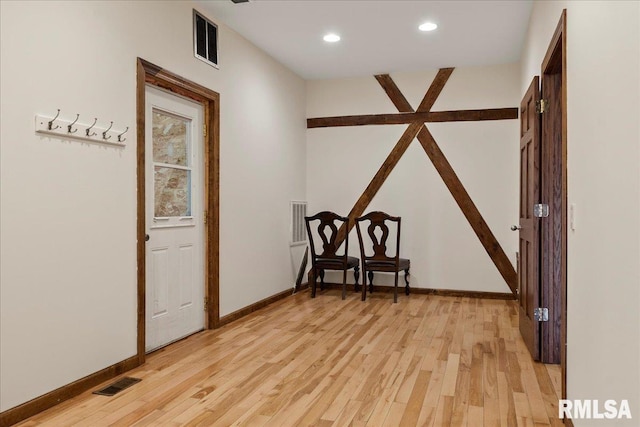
<point>426,361</point>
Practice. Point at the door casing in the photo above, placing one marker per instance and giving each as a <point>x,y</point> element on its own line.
<point>554,193</point>
<point>148,73</point>
<point>552,334</point>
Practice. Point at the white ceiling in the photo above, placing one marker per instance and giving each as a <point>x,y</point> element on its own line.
<point>378,36</point>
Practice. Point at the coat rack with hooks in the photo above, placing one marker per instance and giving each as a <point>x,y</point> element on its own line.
<point>73,129</point>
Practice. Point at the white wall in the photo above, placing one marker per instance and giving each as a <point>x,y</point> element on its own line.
<point>444,251</point>
<point>68,209</point>
<point>603,83</point>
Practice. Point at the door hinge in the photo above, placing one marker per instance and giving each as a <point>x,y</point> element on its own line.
<point>206,304</point>
<point>542,106</point>
<point>541,314</point>
<point>541,210</point>
<point>204,130</point>
<point>205,217</point>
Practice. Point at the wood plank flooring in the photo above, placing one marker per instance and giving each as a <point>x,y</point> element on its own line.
<point>425,361</point>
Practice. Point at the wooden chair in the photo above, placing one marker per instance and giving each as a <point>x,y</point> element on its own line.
<point>380,261</point>
<point>327,259</point>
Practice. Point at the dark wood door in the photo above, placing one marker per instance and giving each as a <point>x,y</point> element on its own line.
<point>529,246</point>
<point>553,229</point>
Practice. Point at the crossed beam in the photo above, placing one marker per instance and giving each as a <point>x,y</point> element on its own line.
<point>417,128</point>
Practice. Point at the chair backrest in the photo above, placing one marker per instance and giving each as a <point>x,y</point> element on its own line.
<point>379,220</point>
<point>328,224</point>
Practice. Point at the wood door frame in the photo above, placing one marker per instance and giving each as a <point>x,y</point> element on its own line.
<point>150,74</point>
<point>554,193</point>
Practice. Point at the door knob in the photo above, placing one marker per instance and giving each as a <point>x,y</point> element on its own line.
<point>515,228</point>
<point>146,237</point>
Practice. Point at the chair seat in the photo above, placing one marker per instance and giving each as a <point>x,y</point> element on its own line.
<point>376,265</point>
<point>336,263</point>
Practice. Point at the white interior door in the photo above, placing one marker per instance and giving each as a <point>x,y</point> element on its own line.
<point>174,217</point>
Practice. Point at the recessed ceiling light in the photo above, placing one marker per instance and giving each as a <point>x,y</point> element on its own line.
<point>331,38</point>
<point>427,26</point>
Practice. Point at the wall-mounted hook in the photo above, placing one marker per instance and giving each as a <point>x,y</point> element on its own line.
<point>70,126</point>
<point>120,138</point>
<point>89,128</point>
<point>50,124</point>
<point>104,134</point>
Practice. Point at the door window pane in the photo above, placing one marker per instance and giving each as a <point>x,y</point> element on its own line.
<point>170,140</point>
<point>172,192</point>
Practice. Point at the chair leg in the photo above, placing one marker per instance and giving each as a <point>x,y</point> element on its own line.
<point>322,280</point>
<point>364,285</point>
<point>370,274</point>
<point>344,283</point>
<point>407,289</point>
<point>395,289</point>
<point>356,275</point>
<point>313,283</point>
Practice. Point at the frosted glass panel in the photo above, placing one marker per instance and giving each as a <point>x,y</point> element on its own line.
<point>172,192</point>
<point>170,143</point>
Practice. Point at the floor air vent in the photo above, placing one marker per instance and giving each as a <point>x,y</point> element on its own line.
<point>118,386</point>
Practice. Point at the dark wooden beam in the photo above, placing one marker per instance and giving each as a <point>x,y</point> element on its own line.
<point>440,162</point>
<point>434,89</point>
<point>390,162</point>
<point>406,118</point>
<point>405,140</point>
<point>469,209</point>
<point>394,93</point>
<point>453,183</point>
<point>401,103</point>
